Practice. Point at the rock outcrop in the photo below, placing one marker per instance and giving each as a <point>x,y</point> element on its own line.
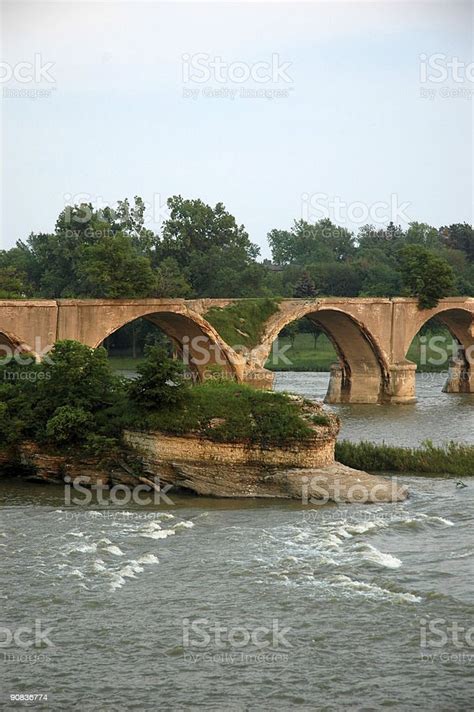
<point>303,470</point>
<point>308,473</point>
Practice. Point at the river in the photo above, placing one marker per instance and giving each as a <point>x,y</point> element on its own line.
<point>436,416</point>
<point>206,604</point>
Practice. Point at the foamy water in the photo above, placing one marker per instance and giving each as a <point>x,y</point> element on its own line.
<point>350,583</point>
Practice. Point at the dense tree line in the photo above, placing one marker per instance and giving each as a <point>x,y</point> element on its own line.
<point>202,251</point>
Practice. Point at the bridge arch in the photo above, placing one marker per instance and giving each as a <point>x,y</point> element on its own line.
<point>459,321</point>
<point>197,342</point>
<point>362,373</point>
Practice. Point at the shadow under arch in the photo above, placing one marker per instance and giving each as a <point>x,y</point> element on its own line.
<point>460,324</point>
<point>197,343</point>
<point>361,374</point>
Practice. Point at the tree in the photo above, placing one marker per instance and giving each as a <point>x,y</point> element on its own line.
<point>459,236</point>
<point>381,280</point>
<point>423,234</point>
<point>112,269</point>
<point>337,279</point>
<point>170,280</point>
<point>72,395</point>
<point>160,381</point>
<point>290,330</point>
<point>426,275</point>
<point>13,284</point>
<point>387,240</point>
<point>305,288</point>
<point>69,425</point>
<point>308,243</point>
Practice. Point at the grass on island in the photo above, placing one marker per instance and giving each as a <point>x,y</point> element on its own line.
<point>229,412</point>
<point>242,322</point>
<point>452,459</point>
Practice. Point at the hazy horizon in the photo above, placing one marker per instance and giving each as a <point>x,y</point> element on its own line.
<point>120,100</point>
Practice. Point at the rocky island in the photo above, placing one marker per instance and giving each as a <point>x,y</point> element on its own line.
<point>220,438</point>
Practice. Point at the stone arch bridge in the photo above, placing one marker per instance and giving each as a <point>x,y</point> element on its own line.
<point>371,337</point>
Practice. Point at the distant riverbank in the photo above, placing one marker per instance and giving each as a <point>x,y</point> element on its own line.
<point>303,353</point>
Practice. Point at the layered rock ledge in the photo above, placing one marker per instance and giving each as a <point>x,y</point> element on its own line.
<point>302,469</point>
<point>307,471</point>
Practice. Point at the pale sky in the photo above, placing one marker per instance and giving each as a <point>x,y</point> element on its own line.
<point>120,102</point>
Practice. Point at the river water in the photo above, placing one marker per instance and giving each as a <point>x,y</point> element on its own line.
<point>436,416</point>
<point>206,604</point>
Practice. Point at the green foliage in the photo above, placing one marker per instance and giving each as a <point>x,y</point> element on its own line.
<point>459,236</point>
<point>111,269</point>
<point>202,251</point>
<point>381,280</point>
<point>214,252</point>
<point>160,381</point>
<point>225,411</point>
<point>337,279</point>
<point>320,419</point>
<point>13,283</point>
<point>242,322</point>
<point>305,288</point>
<point>71,395</point>
<point>170,280</point>
<point>68,425</point>
<point>427,276</point>
<point>308,243</point>
<point>452,459</point>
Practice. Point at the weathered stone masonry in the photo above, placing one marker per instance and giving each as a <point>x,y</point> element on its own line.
<point>371,337</point>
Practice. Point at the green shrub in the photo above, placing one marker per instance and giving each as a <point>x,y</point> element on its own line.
<point>160,381</point>
<point>68,425</point>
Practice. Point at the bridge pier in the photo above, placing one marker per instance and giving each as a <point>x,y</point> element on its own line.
<point>460,377</point>
<point>402,388</point>
<point>362,385</point>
